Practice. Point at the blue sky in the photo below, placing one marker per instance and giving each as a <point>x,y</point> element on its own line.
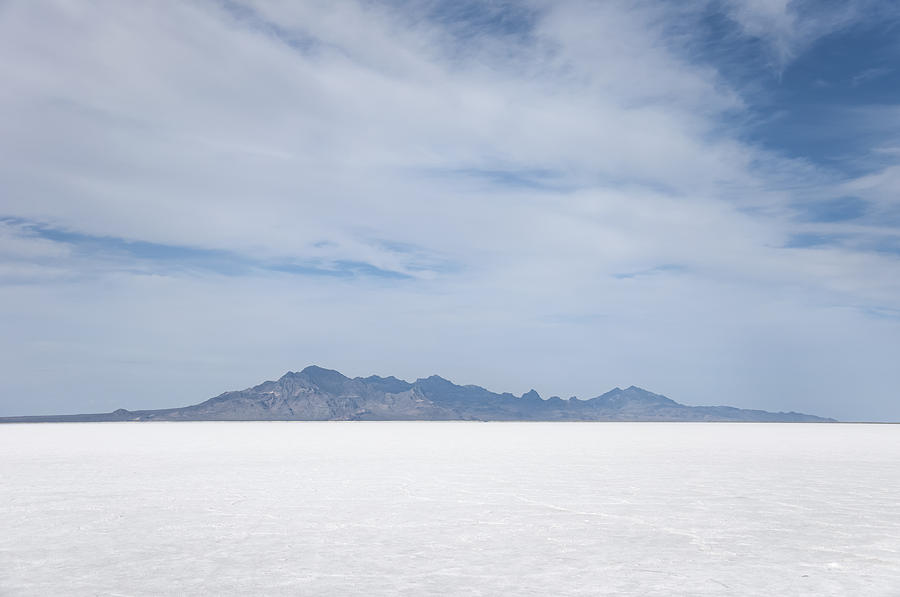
<point>700,198</point>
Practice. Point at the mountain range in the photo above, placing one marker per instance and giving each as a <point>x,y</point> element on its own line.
<point>318,394</point>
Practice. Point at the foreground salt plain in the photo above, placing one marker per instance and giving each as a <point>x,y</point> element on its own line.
<point>449,509</point>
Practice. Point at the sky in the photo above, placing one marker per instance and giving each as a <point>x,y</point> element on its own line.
<point>701,198</point>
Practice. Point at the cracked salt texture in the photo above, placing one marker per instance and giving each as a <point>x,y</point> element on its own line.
<point>449,509</point>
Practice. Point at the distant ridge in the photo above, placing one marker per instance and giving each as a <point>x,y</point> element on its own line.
<point>318,394</point>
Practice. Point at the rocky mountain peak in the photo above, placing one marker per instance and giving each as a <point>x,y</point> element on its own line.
<point>316,372</point>
<point>433,380</point>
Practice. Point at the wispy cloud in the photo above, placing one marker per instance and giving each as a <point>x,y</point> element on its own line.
<point>870,74</point>
<point>38,244</point>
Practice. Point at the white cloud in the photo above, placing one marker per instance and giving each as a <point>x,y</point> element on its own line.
<point>340,132</point>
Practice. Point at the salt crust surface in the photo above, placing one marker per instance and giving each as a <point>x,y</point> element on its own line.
<point>449,509</point>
